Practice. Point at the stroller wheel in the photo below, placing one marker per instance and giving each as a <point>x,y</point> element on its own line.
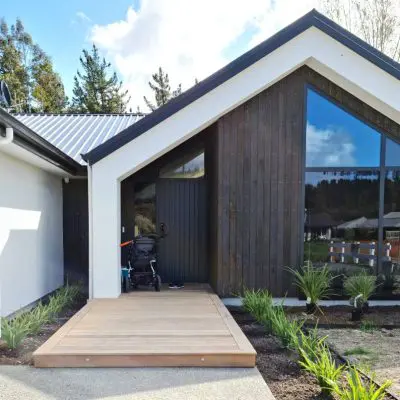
<point>157,283</point>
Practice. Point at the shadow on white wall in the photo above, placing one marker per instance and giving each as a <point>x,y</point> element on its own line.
<point>16,219</point>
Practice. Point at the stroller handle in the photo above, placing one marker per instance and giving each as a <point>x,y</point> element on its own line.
<point>126,243</point>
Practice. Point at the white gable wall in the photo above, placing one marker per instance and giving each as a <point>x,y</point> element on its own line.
<point>31,235</point>
<point>312,47</point>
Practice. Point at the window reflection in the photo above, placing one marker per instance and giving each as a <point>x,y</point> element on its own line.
<point>145,209</point>
<point>341,221</point>
<point>392,153</point>
<point>390,276</point>
<point>335,138</point>
<point>191,166</point>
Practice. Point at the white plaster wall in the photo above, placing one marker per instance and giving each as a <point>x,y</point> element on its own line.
<point>312,47</point>
<point>31,237</point>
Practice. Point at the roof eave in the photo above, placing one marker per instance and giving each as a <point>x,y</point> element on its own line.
<point>29,140</point>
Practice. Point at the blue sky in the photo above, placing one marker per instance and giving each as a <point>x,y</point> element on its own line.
<point>57,28</point>
<point>189,39</point>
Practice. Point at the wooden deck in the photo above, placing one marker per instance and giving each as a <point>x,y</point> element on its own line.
<point>188,327</point>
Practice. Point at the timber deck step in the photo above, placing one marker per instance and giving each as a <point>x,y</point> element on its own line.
<point>189,327</point>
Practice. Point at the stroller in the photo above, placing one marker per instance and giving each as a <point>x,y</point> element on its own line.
<point>142,262</point>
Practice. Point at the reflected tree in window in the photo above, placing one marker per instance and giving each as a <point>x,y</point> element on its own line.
<point>145,209</point>
<point>346,224</point>
<point>190,166</point>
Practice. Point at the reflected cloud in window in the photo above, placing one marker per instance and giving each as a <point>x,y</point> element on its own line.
<point>335,138</point>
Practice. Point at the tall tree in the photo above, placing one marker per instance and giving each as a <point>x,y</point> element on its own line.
<point>95,90</point>
<point>162,90</point>
<point>375,21</point>
<point>28,71</point>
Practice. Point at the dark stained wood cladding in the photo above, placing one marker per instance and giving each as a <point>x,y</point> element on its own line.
<point>258,152</point>
<point>76,229</point>
<point>260,158</point>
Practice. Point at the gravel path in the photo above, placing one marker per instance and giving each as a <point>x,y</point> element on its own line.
<point>380,351</point>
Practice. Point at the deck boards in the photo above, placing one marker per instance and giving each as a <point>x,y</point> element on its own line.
<point>189,327</point>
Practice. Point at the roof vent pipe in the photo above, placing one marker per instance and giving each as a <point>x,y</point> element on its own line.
<point>6,135</point>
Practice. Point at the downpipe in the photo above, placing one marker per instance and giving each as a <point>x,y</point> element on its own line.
<point>6,136</point>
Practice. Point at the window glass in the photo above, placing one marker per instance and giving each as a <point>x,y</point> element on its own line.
<point>145,209</point>
<point>392,153</point>
<point>335,138</point>
<point>341,219</point>
<point>390,276</point>
<point>192,166</point>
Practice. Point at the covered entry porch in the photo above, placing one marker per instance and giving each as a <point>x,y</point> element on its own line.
<point>189,327</point>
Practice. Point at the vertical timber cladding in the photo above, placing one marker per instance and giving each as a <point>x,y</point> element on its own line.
<point>76,229</point>
<point>260,174</point>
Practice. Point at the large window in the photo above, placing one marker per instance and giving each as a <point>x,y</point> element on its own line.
<point>352,194</point>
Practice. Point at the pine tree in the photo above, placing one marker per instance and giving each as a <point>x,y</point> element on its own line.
<point>94,90</point>
<point>28,71</point>
<point>162,90</point>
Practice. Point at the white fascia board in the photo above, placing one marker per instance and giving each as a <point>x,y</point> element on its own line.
<point>312,47</point>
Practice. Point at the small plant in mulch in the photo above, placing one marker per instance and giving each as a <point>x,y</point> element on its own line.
<point>259,304</point>
<point>310,343</point>
<point>323,366</point>
<point>314,283</point>
<point>357,388</point>
<point>360,288</point>
<point>287,331</point>
<point>16,329</point>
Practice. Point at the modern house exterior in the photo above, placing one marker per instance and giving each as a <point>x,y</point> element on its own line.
<point>232,172</point>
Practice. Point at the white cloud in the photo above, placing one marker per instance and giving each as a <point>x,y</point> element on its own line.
<point>82,16</point>
<point>330,147</point>
<point>188,38</point>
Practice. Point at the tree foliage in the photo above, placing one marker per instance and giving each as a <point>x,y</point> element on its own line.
<point>28,71</point>
<point>162,90</point>
<point>375,21</point>
<point>95,90</point>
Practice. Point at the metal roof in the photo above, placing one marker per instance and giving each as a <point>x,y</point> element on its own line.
<point>34,143</point>
<point>76,134</point>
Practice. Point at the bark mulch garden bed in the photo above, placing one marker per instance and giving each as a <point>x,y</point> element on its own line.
<point>23,354</point>
<point>339,316</point>
<point>288,381</point>
<point>277,365</point>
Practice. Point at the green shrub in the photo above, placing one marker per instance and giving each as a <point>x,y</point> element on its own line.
<point>38,316</point>
<point>361,284</point>
<point>14,331</point>
<point>356,388</point>
<point>314,283</point>
<point>259,304</point>
<point>310,343</point>
<point>286,330</point>
<point>323,367</point>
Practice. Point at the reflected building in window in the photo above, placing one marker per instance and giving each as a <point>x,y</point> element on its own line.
<point>352,192</point>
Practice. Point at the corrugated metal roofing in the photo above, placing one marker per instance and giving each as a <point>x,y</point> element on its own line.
<point>76,134</point>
